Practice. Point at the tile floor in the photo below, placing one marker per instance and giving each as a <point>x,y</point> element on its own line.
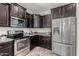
<point>39,51</point>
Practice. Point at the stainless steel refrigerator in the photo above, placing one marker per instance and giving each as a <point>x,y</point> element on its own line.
<point>64,36</point>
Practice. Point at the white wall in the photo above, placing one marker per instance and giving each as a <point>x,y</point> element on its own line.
<point>3,30</point>
<point>77,14</point>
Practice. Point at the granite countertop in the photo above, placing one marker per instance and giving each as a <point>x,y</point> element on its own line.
<point>6,40</point>
<point>41,34</point>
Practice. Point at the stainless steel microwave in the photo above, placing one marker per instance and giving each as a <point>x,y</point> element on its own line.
<point>17,22</point>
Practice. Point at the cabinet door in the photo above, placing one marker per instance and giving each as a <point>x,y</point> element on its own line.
<point>4,45</point>
<point>14,10</point>
<point>40,41</point>
<point>47,21</point>
<point>34,40</point>
<point>4,15</point>
<point>7,51</point>
<point>41,21</point>
<point>48,18</point>
<point>56,13</point>
<point>69,10</point>
<point>21,12</point>
<point>44,21</point>
<point>45,42</point>
<point>36,21</point>
<point>30,21</point>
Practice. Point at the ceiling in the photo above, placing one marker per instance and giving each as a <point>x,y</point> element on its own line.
<point>40,7</point>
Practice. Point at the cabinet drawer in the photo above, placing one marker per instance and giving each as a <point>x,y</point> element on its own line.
<point>4,45</point>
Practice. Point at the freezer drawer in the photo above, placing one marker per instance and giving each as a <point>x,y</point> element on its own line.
<point>62,49</point>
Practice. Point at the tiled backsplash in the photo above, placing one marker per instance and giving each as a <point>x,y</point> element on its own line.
<point>3,30</point>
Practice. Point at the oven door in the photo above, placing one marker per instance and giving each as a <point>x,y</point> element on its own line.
<point>21,45</point>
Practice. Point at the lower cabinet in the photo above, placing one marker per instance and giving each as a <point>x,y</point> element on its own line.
<point>42,41</point>
<point>34,40</point>
<point>45,42</point>
<point>6,50</point>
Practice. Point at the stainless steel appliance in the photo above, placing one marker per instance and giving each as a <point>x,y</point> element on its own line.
<point>21,44</point>
<point>17,22</point>
<point>64,36</point>
<point>15,34</point>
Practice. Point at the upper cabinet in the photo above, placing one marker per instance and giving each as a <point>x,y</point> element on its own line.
<point>36,21</point>
<point>4,15</point>
<point>7,10</point>
<point>69,10</point>
<point>47,21</point>
<point>64,11</point>
<point>29,20</point>
<point>14,10</point>
<point>56,13</point>
<point>17,11</point>
<point>41,21</point>
<point>22,12</point>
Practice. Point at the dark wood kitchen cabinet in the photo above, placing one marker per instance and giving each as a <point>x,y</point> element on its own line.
<point>14,10</point>
<point>45,42</point>
<point>29,19</point>
<point>64,11</point>
<point>47,21</point>
<point>34,40</point>
<point>4,14</point>
<point>41,21</point>
<point>42,41</point>
<point>22,12</point>
<point>6,49</point>
<point>17,11</point>
<point>56,13</point>
<point>6,52</point>
<point>69,10</point>
<point>36,21</point>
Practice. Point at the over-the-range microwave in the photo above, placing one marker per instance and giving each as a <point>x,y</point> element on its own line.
<point>17,22</point>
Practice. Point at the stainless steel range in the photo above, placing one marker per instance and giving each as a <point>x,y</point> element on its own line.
<point>21,45</point>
